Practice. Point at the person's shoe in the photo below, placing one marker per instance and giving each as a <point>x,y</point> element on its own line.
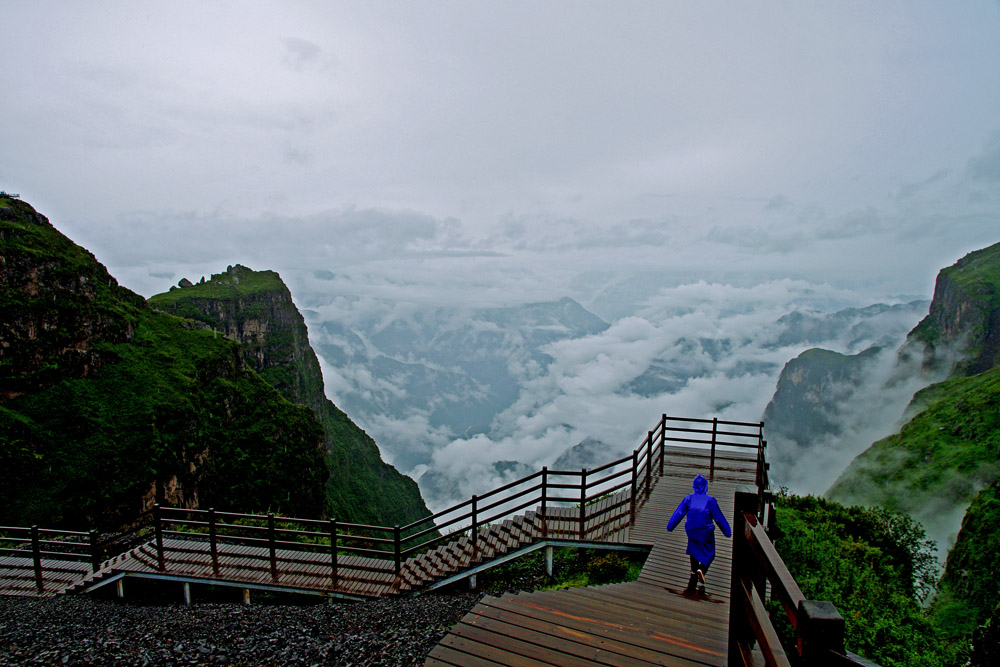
<point>701,581</point>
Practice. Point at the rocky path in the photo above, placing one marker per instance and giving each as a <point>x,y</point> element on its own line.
<point>78,630</point>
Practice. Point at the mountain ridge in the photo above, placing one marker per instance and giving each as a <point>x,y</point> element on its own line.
<point>256,309</point>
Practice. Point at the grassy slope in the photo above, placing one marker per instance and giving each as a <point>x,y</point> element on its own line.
<point>969,593</point>
<point>942,456</point>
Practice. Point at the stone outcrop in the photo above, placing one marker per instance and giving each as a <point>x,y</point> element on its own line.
<point>59,301</point>
<point>255,308</point>
<point>963,324</point>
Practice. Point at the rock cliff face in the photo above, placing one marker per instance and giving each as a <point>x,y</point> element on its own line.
<point>58,303</point>
<point>107,406</point>
<point>813,404</point>
<point>964,318</point>
<point>256,309</point>
<point>809,388</point>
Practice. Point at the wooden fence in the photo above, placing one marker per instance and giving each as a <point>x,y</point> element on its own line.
<point>818,626</point>
<point>564,503</point>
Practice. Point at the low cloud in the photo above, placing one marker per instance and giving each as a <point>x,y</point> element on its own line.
<point>699,350</point>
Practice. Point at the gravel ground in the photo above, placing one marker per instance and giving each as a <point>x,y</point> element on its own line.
<point>79,630</point>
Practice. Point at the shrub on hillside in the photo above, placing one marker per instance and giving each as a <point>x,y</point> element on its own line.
<point>875,566</point>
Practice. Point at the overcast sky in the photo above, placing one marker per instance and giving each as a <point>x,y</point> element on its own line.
<point>855,143</point>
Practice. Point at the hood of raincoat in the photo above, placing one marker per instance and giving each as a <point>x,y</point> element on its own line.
<point>700,484</point>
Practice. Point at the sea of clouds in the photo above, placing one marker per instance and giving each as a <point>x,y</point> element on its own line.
<point>700,349</point>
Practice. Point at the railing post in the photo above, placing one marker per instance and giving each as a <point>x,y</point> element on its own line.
<point>212,541</point>
<point>715,430</point>
<point>649,463</point>
<point>95,552</point>
<point>271,545</point>
<point>333,551</point>
<point>820,630</point>
<point>158,530</point>
<point>475,528</point>
<point>741,636</point>
<point>583,504</point>
<point>635,473</point>
<point>36,557</point>
<point>545,493</point>
<point>663,440</point>
<point>398,545</point>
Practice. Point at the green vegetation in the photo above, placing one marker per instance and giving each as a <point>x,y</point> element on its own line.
<point>176,408</point>
<point>946,459</point>
<point>939,458</point>
<point>969,593</point>
<point>256,308</point>
<point>107,404</point>
<point>236,280</point>
<point>571,568</point>
<point>965,298</point>
<point>876,566</point>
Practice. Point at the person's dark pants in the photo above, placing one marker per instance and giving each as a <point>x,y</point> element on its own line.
<point>698,565</point>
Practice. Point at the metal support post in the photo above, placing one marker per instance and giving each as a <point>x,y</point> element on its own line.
<point>36,557</point>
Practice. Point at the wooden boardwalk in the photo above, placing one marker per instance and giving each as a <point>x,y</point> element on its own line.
<point>656,620</point>
<point>189,558</point>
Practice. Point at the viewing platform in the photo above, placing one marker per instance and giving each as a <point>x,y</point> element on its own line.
<point>659,619</point>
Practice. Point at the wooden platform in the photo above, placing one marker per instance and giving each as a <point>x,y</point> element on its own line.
<point>656,620</point>
<point>189,558</point>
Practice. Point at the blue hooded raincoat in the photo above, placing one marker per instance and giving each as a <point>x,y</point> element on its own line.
<point>701,509</point>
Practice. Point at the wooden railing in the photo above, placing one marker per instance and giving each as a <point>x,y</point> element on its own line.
<point>818,626</point>
<point>37,548</point>
<point>674,446</point>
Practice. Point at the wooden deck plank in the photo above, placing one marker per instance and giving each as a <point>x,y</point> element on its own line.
<point>600,649</point>
<point>663,641</point>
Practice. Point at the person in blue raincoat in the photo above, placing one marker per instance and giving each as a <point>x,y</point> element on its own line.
<point>702,512</point>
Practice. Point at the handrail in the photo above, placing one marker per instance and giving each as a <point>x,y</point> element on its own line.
<point>818,626</point>
<point>721,421</point>
<point>632,476</point>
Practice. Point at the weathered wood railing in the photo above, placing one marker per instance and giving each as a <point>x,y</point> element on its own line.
<point>818,626</point>
<point>40,549</point>
<point>555,497</point>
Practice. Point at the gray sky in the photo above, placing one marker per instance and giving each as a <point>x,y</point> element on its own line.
<point>852,143</point>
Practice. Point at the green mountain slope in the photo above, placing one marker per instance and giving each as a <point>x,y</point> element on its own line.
<point>256,309</point>
<point>968,591</point>
<point>107,406</point>
<point>939,459</point>
<point>945,461</point>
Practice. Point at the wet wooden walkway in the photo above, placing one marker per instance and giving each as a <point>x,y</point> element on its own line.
<point>657,620</point>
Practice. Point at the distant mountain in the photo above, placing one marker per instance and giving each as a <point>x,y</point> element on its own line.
<point>852,326</point>
<point>107,406</point>
<point>256,309</point>
<point>805,412</point>
<point>457,369</point>
<point>589,453</point>
<point>943,454</point>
